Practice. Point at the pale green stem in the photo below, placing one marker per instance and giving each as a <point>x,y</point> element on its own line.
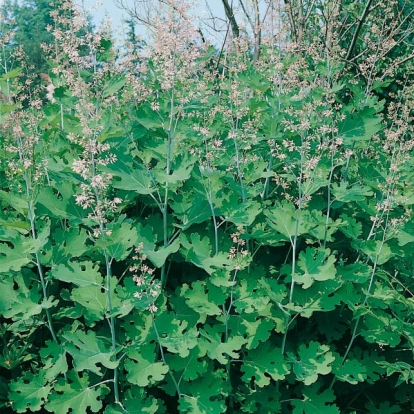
<point>371,233</point>
<point>294,248</point>
<point>177,386</point>
<point>34,236</point>
<point>371,281</point>
<point>62,124</point>
<point>292,285</point>
<point>6,70</point>
<point>170,142</point>
<point>226,314</point>
<point>40,269</point>
<point>328,212</point>
<point>239,172</point>
<point>265,192</point>
<point>213,215</point>
<point>111,319</point>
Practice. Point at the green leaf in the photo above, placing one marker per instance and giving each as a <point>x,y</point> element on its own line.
<point>205,395</point>
<point>359,126</point>
<point>199,299</point>
<point>113,85</point>
<point>262,363</point>
<point>241,214</point>
<point>157,256</point>
<point>11,74</point>
<point>284,220</point>
<point>22,227</point>
<point>76,395</point>
<point>6,109</point>
<point>316,265</point>
<point>135,401</point>
<point>342,192</point>
<point>17,253</point>
<point>131,177</point>
<point>88,351</point>
<point>351,371</point>
<point>70,243</point>
<point>190,368</point>
<point>405,235</point>
<point>405,371</point>
<point>274,290</point>
<point>60,202</point>
<point>254,329</point>
<point>318,298</point>
<point>123,236</point>
<point>29,392</point>
<point>381,328</point>
<point>314,403</point>
<point>376,250</point>
<point>383,408</point>
<point>251,296</point>
<point>148,118</point>
<point>79,273</point>
<point>355,272</point>
<point>261,400</point>
<point>94,301</point>
<point>351,227</point>
<point>20,297</point>
<point>314,360</point>
<point>4,389</point>
<point>198,251</point>
<point>289,221</point>
<point>54,359</point>
<point>372,361</point>
<point>181,168</point>
<point>176,338</point>
<point>190,210</point>
<point>142,367</point>
<point>211,342</point>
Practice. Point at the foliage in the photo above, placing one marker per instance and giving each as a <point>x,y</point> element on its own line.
<point>176,239</point>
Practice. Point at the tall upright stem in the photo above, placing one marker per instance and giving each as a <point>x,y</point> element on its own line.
<point>168,171</point>
<point>39,265</point>
<point>294,243</point>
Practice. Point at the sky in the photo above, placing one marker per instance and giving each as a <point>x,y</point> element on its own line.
<point>104,8</point>
<point>108,8</point>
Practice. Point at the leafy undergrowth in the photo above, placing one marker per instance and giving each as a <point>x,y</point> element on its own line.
<point>189,241</point>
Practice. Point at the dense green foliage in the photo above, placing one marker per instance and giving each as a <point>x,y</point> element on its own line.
<point>31,19</point>
<point>177,240</point>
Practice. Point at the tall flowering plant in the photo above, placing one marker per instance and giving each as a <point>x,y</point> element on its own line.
<point>184,229</point>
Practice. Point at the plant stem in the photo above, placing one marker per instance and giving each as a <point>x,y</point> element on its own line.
<point>294,244</point>
<point>328,212</point>
<point>292,285</point>
<point>164,274</point>
<point>213,216</point>
<point>38,264</point>
<point>177,386</point>
<point>239,172</point>
<point>111,318</point>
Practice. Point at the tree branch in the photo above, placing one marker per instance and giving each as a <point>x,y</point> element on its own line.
<point>358,29</point>
<point>230,15</point>
<point>291,19</point>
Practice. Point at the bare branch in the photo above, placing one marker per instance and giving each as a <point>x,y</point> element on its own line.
<point>289,11</point>
<point>357,30</point>
<point>257,32</point>
<point>230,16</point>
<point>255,26</point>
